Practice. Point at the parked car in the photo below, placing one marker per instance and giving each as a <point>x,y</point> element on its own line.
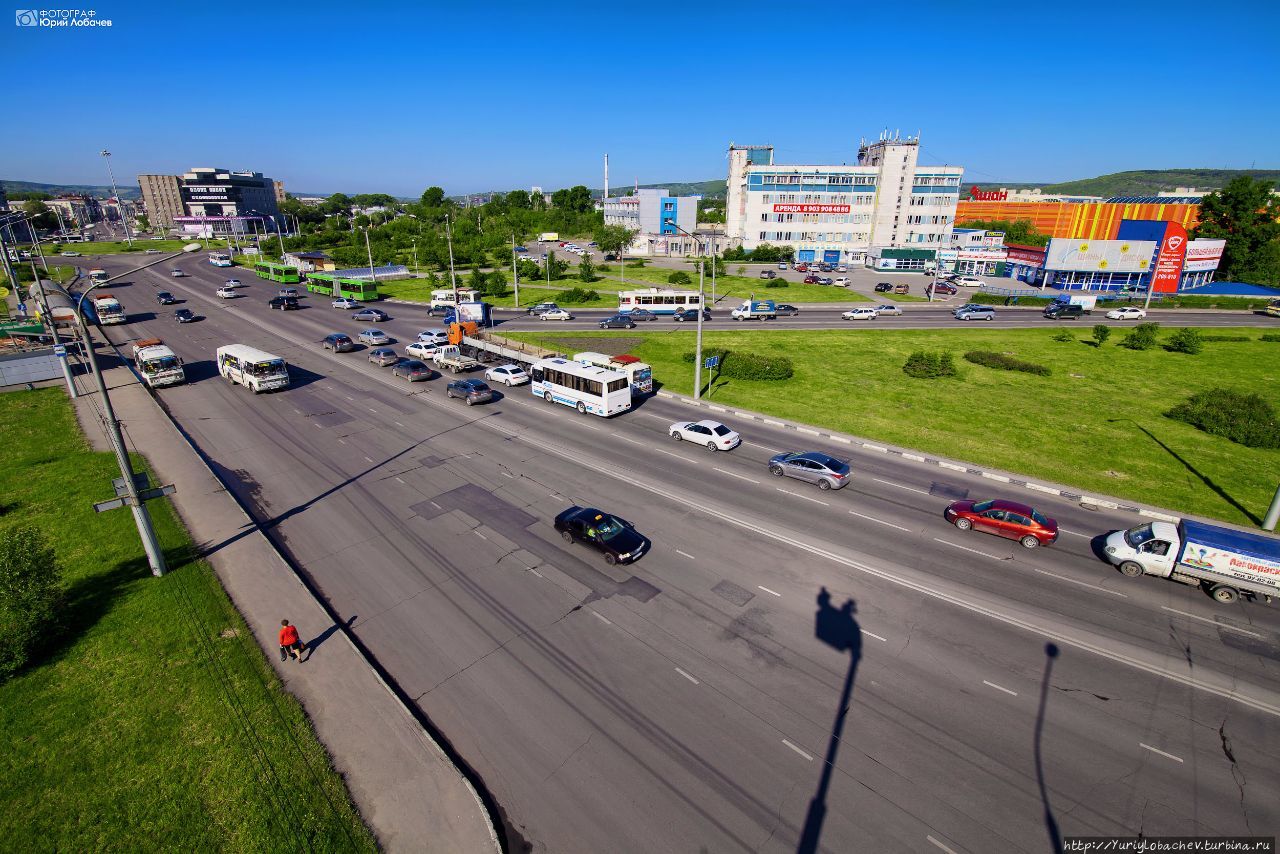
<point>283,303</point>
<point>691,314</point>
<point>883,287</point>
<point>412,370</point>
<point>70,254</point>
<point>423,349</point>
<point>1131,312</point>
<point>555,314</point>
<point>784,309</point>
<point>813,467</point>
<point>543,306</point>
<point>768,274</point>
<point>944,288</point>
<point>508,375</point>
<point>383,356</point>
<point>811,279</point>
<point>888,309</point>
<point>338,342</point>
<point>1007,519</point>
<point>227,293</point>
<point>184,315</point>
<point>802,267</point>
<point>902,288</point>
<point>165,298</point>
<point>826,280</point>
<point>842,282</point>
<point>714,435</point>
<point>472,391</point>
<point>615,538</point>
<point>859,314</point>
<point>842,269</point>
<point>975,312</point>
<point>344,302</point>
<point>641,314</point>
<point>967,282</point>
<point>824,268</point>
<point>618,321</point>
<point>374,337</point>
<point>371,315</point>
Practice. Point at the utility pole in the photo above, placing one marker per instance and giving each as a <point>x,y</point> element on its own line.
<point>697,355</point>
<point>57,340</point>
<point>124,221</point>
<point>372,275</point>
<point>453,278</point>
<point>515,268</point>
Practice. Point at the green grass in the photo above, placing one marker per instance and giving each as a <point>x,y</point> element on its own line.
<point>732,287</point>
<point>111,247</point>
<point>1096,423</point>
<point>154,723</point>
<point>419,290</point>
<point>1191,301</point>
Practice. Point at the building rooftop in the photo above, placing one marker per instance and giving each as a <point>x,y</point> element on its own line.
<point>1155,200</point>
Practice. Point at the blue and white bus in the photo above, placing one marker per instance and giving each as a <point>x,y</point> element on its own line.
<point>658,300</point>
<point>587,388</point>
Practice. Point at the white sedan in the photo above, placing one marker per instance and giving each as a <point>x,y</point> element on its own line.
<point>433,336</point>
<point>227,293</point>
<point>859,314</point>
<point>842,282</point>
<point>424,350</point>
<point>713,434</point>
<point>344,302</point>
<point>888,309</point>
<point>555,314</point>
<point>1127,313</point>
<point>232,283</point>
<point>508,375</point>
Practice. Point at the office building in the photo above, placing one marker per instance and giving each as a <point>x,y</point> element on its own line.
<point>218,201</point>
<point>162,197</point>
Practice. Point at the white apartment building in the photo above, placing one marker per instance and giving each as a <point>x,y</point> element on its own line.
<point>886,207</point>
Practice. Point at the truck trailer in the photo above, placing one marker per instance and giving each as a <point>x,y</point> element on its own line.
<point>1223,561</point>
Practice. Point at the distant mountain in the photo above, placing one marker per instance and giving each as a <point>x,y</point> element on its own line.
<point>1145,182</point>
<point>128,191</point>
<point>707,189</point>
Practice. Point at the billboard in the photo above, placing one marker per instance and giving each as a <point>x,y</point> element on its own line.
<point>471,312</point>
<point>1204,255</point>
<point>1173,252</point>
<point>1112,256</point>
<point>816,209</point>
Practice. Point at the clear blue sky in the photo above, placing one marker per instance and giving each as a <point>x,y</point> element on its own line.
<point>393,97</point>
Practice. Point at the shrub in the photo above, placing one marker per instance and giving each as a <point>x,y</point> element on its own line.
<point>679,277</point>
<point>1270,336</point>
<point>1064,336</point>
<point>988,359</point>
<point>1245,419</point>
<point>923,364</point>
<point>1141,337</point>
<point>777,283</point>
<point>1185,340</point>
<point>1226,338</point>
<point>1101,333</point>
<point>575,296</point>
<point>748,366</point>
<point>30,595</point>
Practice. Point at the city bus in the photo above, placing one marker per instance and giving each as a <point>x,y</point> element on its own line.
<point>219,259</point>
<point>252,368</point>
<point>282,273</point>
<point>586,388</point>
<point>658,300</point>
<point>336,286</point>
<point>638,373</point>
<point>96,276</point>
<point>1273,308</point>
<point>444,298</point>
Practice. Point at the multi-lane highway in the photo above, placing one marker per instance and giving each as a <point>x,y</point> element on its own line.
<point>688,702</point>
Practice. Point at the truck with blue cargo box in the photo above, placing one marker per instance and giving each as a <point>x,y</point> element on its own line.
<point>755,309</point>
<point>1223,561</point>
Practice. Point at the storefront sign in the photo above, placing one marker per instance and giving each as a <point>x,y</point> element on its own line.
<point>1203,255</point>
<point>1173,252</point>
<point>816,209</point>
<point>979,195</point>
<point>1032,257</point>
<point>1112,256</point>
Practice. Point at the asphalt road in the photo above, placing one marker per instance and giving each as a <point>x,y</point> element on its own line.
<point>688,702</point>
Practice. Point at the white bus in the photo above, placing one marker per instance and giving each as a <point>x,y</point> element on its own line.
<point>444,298</point>
<point>584,387</point>
<point>252,368</point>
<point>658,300</point>
<point>219,259</point>
<point>638,373</point>
<point>96,276</point>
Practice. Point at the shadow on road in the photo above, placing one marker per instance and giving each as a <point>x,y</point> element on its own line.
<point>326,634</point>
<point>1050,823</point>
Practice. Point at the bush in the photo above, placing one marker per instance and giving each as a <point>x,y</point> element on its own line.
<point>1185,340</point>
<point>925,365</point>
<point>574,296</point>
<point>1270,336</point>
<point>1101,333</point>
<point>748,366</point>
<point>1064,336</point>
<point>679,277</point>
<point>30,595</point>
<point>1226,338</point>
<point>1141,337</point>
<point>1245,419</point>
<point>988,359</point>
<point>777,283</point>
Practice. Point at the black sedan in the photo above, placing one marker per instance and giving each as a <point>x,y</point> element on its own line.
<point>184,315</point>
<point>615,538</point>
<point>165,298</point>
<point>641,314</point>
<point>691,314</point>
<point>618,321</point>
<point>883,287</point>
<point>783,309</point>
<point>412,370</point>
<point>283,303</point>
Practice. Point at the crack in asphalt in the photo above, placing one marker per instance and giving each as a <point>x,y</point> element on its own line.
<point>565,761</point>
<point>1237,773</point>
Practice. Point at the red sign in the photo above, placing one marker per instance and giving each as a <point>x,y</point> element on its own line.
<point>1173,252</point>
<point>979,195</point>
<point>811,208</point>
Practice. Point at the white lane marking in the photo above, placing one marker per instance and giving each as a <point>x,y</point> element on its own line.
<point>774,423</point>
<point>342,441</point>
<point>1161,752</point>
<point>805,497</point>
<point>437,506</point>
<point>1075,533</point>
<point>401,480</point>
<point>599,617</point>
<point>371,409</point>
<point>508,474</point>
<point>940,845</point>
<point>297,410</point>
<point>588,426</point>
<point>842,440</point>
<point>873,635</point>
<point>811,432</point>
<point>1082,583</point>
<point>966,548</point>
<point>687,676</point>
<point>349,398</point>
<point>900,486</point>
<point>1212,622</point>
<point>917,457</point>
<point>629,439</point>
<point>765,447</point>
<point>767,590</point>
<point>481,536</point>
<point>797,750</point>
<point>871,447</point>
<point>881,521</point>
<point>677,456</point>
<point>553,495</point>
<point>1038,488</point>
<point>686,554</point>
<point>370,459</point>
<point>738,476</point>
<point>397,423</point>
<point>999,688</point>
<point>540,575</point>
<point>953,466</point>
<point>317,426</point>
<point>991,476</point>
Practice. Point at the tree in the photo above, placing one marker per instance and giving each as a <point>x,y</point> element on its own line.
<point>679,277</point>
<point>710,210</point>
<point>30,595</point>
<point>1019,231</point>
<point>555,266</point>
<point>433,197</point>
<point>614,239</point>
<point>1244,213</point>
<point>496,284</point>
<point>519,199</point>
<point>1101,332</point>
<point>42,216</point>
<point>141,221</point>
<point>587,270</point>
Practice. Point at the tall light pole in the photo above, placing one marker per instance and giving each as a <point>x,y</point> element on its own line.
<point>697,352</point>
<point>131,497</point>
<point>515,268</point>
<point>372,275</point>
<point>453,279</point>
<point>119,207</point>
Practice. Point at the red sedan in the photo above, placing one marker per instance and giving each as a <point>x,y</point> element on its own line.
<point>1004,519</point>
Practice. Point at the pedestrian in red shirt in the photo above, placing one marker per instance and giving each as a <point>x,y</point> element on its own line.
<point>290,643</point>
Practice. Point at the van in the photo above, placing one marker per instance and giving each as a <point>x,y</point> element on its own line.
<point>768,274</point>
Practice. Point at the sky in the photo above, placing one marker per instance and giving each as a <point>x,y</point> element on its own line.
<point>393,97</point>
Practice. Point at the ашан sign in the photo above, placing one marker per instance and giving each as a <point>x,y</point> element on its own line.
<point>979,195</point>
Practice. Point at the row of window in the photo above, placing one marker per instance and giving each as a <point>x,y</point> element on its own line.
<point>811,236</point>
<point>818,179</point>
<point>576,383</point>
<point>818,198</point>
<point>944,181</point>
<point>816,218</point>
<point>941,200</point>
<point>913,237</point>
<point>930,220</point>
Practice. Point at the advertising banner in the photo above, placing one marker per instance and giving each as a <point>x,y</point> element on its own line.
<point>1113,256</point>
<point>1173,252</point>
<point>471,312</point>
<point>803,209</point>
<point>1204,255</point>
<point>1033,257</point>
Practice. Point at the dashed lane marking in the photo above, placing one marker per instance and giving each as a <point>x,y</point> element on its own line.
<point>767,590</point>
<point>967,549</point>
<point>873,635</point>
<point>805,497</point>
<point>686,554</point>
<point>999,688</point>
<point>598,616</point>
<point>1161,752</point>
<point>687,676</point>
<point>797,750</point>
<point>1083,583</point>
<point>1212,622</point>
<point>900,486</point>
<point>738,476</point>
<point>880,521</point>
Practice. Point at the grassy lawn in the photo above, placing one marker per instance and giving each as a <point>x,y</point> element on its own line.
<point>731,288</point>
<point>1193,301</point>
<point>111,247</point>
<point>419,290</point>
<point>154,723</point>
<point>1096,423</point>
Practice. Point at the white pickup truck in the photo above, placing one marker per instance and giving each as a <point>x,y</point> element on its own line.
<point>451,358</point>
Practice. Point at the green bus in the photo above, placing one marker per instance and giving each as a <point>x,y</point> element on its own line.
<point>282,273</point>
<point>336,286</point>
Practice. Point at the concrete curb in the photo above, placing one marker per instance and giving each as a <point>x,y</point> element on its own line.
<point>1001,477</point>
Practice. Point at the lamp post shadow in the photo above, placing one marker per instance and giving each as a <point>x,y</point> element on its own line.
<point>1050,823</point>
<point>837,628</point>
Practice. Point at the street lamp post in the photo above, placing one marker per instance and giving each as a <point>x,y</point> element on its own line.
<point>453,279</point>
<point>124,221</point>
<point>131,497</point>
<point>372,275</point>
<point>697,350</point>
<point>515,268</point>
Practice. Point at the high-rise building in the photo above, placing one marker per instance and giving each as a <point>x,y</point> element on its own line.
<point>162,197</point>
<point>218,201</point>
<point>279,188</point>
<point>887,210</point>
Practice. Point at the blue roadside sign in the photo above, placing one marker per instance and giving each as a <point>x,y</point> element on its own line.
<point>22,308</point>
<point>60,350</point>
<point>711,362</point>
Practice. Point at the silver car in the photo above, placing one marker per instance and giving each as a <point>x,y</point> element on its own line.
<point>811,466</point>
<point>975,312</point>
<point>383,356</point>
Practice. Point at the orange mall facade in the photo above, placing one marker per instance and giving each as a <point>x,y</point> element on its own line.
<point>1091,220</point>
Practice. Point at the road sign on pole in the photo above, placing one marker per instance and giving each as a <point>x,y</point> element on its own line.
<point>711,362</point>
<point>60,350</point>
